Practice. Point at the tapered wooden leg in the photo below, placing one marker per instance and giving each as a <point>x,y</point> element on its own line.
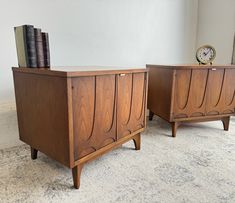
<point>76,175</point>
<point>34,153</point>
<point>174,127</point>
<point>137,141</point>
<point>225,121</point>
<point>151,114</point>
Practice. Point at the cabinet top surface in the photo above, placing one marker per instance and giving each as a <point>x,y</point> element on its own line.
<point>191,66</point>
<point>73,71</point>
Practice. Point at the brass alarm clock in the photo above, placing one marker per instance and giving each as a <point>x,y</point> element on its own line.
<point>205,54</point>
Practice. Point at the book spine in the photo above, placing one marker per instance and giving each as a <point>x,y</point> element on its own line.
<point>39,47</point>
<point>21,46</point>
<point>46,49</point>
<point>31,47</point>
<point>26,48</point>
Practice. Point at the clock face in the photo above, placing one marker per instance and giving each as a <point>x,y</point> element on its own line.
<point>205,54</point>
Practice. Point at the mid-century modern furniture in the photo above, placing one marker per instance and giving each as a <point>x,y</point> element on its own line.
<point>73,115</point>
<point>184,93</point>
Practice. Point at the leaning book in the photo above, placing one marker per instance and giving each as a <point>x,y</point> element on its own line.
<point>25,46</point>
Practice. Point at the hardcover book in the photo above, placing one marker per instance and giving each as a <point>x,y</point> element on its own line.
<point>32,47</point>
<point>39,47</point>
<point>25,45</point>
<point>46,49</point>
<point>21,47</point>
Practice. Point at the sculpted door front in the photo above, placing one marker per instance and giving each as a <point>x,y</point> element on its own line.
<point>94,113</point>
<point>190,93</point>
<point>221,92</point>
<point>131,103</point>
<point>204,92</point>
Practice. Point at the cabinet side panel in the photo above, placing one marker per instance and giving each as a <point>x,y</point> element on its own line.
<point>43,114</point>
<point>160,91</point>
<point>94,113</point>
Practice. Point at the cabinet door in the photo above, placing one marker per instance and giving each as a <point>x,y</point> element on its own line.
<point>221,91</point>
<point>131,103</point>
<point>189,93</point>
<point>94,113</point>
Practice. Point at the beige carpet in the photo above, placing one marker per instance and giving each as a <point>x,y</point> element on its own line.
<point>196,166</point>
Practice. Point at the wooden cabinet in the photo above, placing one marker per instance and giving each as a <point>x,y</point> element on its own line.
<point>192,93</point>
<point>74,116</point>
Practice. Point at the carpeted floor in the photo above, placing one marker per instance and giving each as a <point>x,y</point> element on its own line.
<point>196,166</point>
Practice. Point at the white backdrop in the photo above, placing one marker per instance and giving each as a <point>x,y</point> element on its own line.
<point>101,32</point>
<point>216,26</point>
<point>96,32</point>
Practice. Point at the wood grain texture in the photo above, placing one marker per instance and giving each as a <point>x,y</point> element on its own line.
<point>75,119</point>
<point>70,122</point>
<point>225,121</point>
<point>41,103</point>
<point>194,93</point>
<point>137,140</point>
<point>174,127</point>
<point>70,71</point>
<point>131,103</point>
<point>164,80</point>
<point>108,148</point>
<point>215,90</point>
<point>221,92</point>
<point>190,94</point>
<point>94,108</point>
<point>191,66</point>
<point>76,172</point>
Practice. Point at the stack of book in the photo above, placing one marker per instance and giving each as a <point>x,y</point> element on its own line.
<point>32,47</point>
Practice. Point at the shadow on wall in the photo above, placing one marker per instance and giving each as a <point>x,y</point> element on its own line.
<point>8,125</point>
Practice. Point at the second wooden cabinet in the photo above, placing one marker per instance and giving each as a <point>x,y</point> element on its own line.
<point>192,93</point>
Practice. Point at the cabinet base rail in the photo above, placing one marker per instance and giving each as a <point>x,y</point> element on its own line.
<point>78,165</point>
<point>176,123</point>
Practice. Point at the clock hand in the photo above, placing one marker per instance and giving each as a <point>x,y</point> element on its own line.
<point>207,52</point>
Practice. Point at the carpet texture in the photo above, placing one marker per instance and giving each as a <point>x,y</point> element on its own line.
<point>196,166</point>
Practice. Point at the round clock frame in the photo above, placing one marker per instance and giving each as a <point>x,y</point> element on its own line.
<point>205,61</point>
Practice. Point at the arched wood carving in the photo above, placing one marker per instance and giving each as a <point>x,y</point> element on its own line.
<point>190,93</point>
<point>107,108</point>
<point>204,92</point>
<point>131,102</point>
<point>221,93</point>
<point>94,108</point>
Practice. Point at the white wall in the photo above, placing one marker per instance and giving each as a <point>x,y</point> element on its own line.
<point>96,32</point>
<point>216,26</point>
